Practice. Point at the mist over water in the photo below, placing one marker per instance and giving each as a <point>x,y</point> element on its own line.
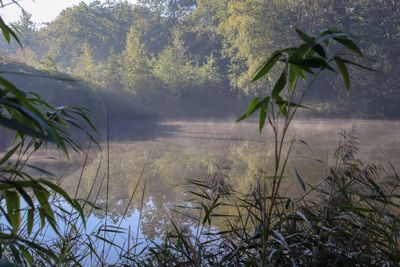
<point>174,151</point>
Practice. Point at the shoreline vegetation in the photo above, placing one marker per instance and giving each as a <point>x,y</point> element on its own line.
<point>55,87</point>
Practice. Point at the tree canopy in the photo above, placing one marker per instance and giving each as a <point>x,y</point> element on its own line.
<point>175,47</point>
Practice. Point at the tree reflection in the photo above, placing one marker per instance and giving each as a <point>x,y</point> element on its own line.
<point>166,165</point>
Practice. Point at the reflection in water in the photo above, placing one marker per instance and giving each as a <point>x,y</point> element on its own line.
<point>191,150</point>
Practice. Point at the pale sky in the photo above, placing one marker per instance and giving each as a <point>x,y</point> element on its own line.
<point>41,10</point>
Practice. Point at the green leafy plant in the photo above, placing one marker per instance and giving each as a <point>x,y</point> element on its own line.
<point>25,201</point>
<point>304,62</point>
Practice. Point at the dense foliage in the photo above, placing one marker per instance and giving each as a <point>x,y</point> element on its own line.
<point>187,48</point>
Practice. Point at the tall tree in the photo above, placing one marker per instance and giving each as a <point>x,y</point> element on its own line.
<point>136,64</point>
<point>85,66</point>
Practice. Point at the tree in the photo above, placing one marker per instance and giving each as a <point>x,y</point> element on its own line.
<point>27,29</point>
<point>102,25</point>
<point>173,67</point>
<point>110,72</point>
<point>136,66</point>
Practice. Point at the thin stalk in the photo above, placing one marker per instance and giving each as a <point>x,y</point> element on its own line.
<point>140,216</point>
<point>107,181</point>
<point>278,150</point>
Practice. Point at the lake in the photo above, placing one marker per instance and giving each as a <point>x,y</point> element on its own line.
<point>147,169</point>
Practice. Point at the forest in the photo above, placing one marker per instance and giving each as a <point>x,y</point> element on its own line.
<point>171,54</point>
<point>201,133</point>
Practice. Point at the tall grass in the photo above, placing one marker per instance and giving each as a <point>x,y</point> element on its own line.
<point>350,218</point>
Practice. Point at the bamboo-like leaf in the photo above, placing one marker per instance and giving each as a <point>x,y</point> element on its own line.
<point>22,128</point>
<point>309,62</point>
<point>292,104</point>
<point>42,218</point>
<point>294,72</point>
<point>253,107</point>
<point>305,37</point>
<point>320,50</point>
<point>9,154</point>
<point>263,116</point>
<point>358,65</point>
<point>27,256</point>
<point>280,84</point>
<point>8,32</point>
<point>349,44</point>
<point>283,108</point>
<point>13,209</point>
<point>267,66</point>
<point>343,71</point>
<point>30,220</point>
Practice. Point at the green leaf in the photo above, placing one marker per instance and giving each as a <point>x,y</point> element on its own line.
<point>5,30</point>
<point>294,72</point>
<point>292,104</point>
<point>283,109</point>
<point>11,87</point>
<point>304,63</point>
<point>305,37</point>
<point>45,210</point>
<point>30,220</point>
<point>42,217</point>
<point>280,84</point>
<point>349,44</point>
<point>25,195</point>
<point>358,65</point>
<point>13,209</point>
<point>9,154</point>
<point>23,129</point>
<point>253,106</point>
<point>320,50</point>
<point>343,71</point>
<point>8,32</point>
<point>27,256</point>
<point>311,62</point>
<point>267,66</point>
<point>263,116</point>
<point>33,117</point>
<point>327,35</point>
<point>299,51</point>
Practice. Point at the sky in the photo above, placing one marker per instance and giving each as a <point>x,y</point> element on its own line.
<point>41,10</point>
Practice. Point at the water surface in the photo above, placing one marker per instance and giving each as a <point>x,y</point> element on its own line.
<point>147,173</point>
